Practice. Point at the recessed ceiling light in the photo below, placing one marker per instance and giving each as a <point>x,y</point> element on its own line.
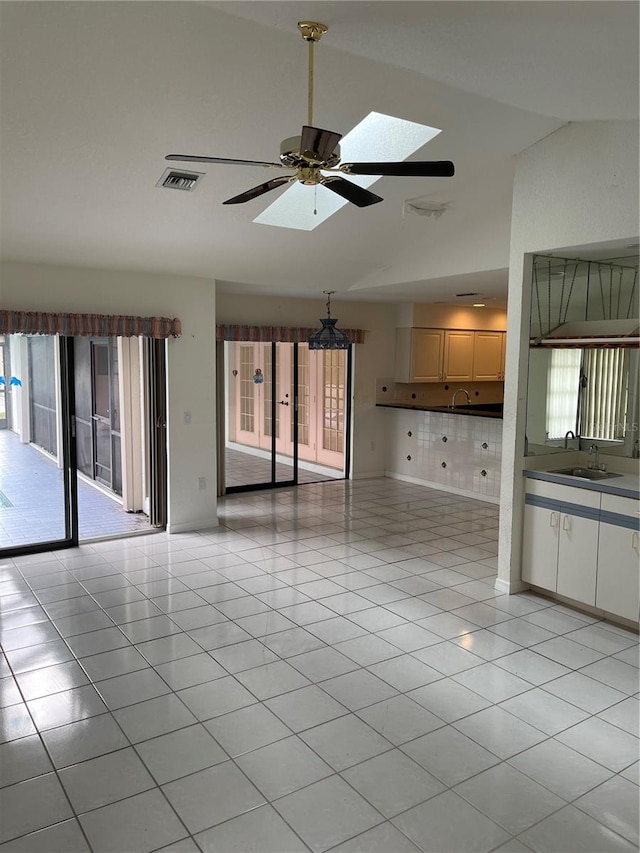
<point>478,304</point>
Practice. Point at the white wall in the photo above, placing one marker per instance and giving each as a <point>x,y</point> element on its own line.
<point>373,358</point>
<point>473,236</point>
<point>190,365</point>
<point>437,316</point>
<point>574,188</point>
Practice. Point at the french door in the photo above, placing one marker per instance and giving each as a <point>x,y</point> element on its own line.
<point>286,409</point>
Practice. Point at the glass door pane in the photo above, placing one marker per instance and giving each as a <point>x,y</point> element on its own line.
<point>35,484</point>
<point>114,435</point>
<point>284,413</point>
<point>5,377</point>
<point>258,418</point>
<point>247,460</point>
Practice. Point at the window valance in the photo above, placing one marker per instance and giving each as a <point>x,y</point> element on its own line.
<point>283,334</point>
<point>87,325</point>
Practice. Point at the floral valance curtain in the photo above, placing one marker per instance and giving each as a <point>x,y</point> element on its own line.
<point>87,325</point>
<point>284,334</point>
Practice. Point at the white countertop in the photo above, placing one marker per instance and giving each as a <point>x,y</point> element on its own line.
<point>626,485</point>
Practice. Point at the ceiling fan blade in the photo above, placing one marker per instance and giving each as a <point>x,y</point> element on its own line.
<point>191,158</point>
<point>320,143</point>
<point>352,192</point>
<point>429,169</point>
<point>259,190</point>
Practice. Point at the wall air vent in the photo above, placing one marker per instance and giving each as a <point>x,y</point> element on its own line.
<point>172,179</point>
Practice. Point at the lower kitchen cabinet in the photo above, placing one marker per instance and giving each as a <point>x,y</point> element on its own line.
<point>540,547</point>
<point>560,552</point>
<point>583,545</point>
<point>618,586</point>
<point>577,558</point>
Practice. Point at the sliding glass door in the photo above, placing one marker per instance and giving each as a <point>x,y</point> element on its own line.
<point>82,439</point>
<point>38,505</point>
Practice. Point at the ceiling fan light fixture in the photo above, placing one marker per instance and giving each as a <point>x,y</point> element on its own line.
<point>328,337</point>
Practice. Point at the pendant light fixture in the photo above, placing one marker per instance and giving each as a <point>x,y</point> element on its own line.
<point>328,337</point>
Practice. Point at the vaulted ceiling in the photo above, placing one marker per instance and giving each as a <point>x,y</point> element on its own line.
<point>95,94</point>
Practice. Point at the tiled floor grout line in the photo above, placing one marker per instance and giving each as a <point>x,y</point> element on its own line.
<point>358,667</point>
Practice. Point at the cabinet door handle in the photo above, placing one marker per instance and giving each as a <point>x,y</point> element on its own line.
<point>566,523</point>
<point>634,540</point>
<point>553,519</point>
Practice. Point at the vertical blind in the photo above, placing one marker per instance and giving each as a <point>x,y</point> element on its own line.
<point>587,392</point>
<point>562,392</point>
<point>604,403</point>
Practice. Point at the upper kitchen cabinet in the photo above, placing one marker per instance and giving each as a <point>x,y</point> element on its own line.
<point>458,356</point>
<point>419,355</point>
<point>489,356</point>
<point>449,355</point>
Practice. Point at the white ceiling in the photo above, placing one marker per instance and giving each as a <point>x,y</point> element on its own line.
<point>94,94</point>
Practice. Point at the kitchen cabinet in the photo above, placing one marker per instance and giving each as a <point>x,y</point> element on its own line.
<point>618,584</point>
<point>540,546</point>
<point>560,540</point>
<point>449,355</point>
<point>577,557</point>
<point>488,356</point>
<point>419,355</point>
<point>458,355</point>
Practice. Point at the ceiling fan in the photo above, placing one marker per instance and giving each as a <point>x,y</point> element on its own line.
<point>315,155</point>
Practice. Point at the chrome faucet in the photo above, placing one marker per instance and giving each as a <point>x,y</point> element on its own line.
<point>593,448</point>
<point>568,433</point>
<point>453,399</point>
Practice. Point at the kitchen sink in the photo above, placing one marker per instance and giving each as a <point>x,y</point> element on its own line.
<point>586,473</point>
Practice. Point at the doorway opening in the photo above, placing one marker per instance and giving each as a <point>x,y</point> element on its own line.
<point>286,415</point>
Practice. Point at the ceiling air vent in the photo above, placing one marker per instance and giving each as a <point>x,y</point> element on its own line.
<point>180,180</point>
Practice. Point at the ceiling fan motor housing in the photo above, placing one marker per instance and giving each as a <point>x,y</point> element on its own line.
<point>293,158</point>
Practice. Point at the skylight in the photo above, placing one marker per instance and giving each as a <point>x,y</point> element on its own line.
<point>377,137</point>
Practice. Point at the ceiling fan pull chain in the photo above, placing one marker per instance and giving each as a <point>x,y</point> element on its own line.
<point>315,199</point>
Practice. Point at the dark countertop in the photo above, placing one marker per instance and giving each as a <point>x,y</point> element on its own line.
<point>625,486</point>
<point>488,410</point>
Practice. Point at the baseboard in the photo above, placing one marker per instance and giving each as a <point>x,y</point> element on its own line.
<point>416,481</point>
<point>193,526</point>
<point>368,475</point>
<point>510,587</point>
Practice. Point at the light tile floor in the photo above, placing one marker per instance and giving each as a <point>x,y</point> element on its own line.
<point>326,670</point>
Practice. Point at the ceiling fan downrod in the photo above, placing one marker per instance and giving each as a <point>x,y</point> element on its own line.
<point>311,32</point>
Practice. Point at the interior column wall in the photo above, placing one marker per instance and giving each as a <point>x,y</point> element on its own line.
<point>574,188</point>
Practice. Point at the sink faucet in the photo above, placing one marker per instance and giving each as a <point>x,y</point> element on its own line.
<point>453,399</point>
<point>593,448</point>
<point>568,433</point>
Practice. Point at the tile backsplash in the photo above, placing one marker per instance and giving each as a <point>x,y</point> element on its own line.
<point>459,452</point>
<point>389,392</point>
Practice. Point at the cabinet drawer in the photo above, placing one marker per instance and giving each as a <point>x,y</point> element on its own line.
<point>563,494</point>
<point>623,506</point>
